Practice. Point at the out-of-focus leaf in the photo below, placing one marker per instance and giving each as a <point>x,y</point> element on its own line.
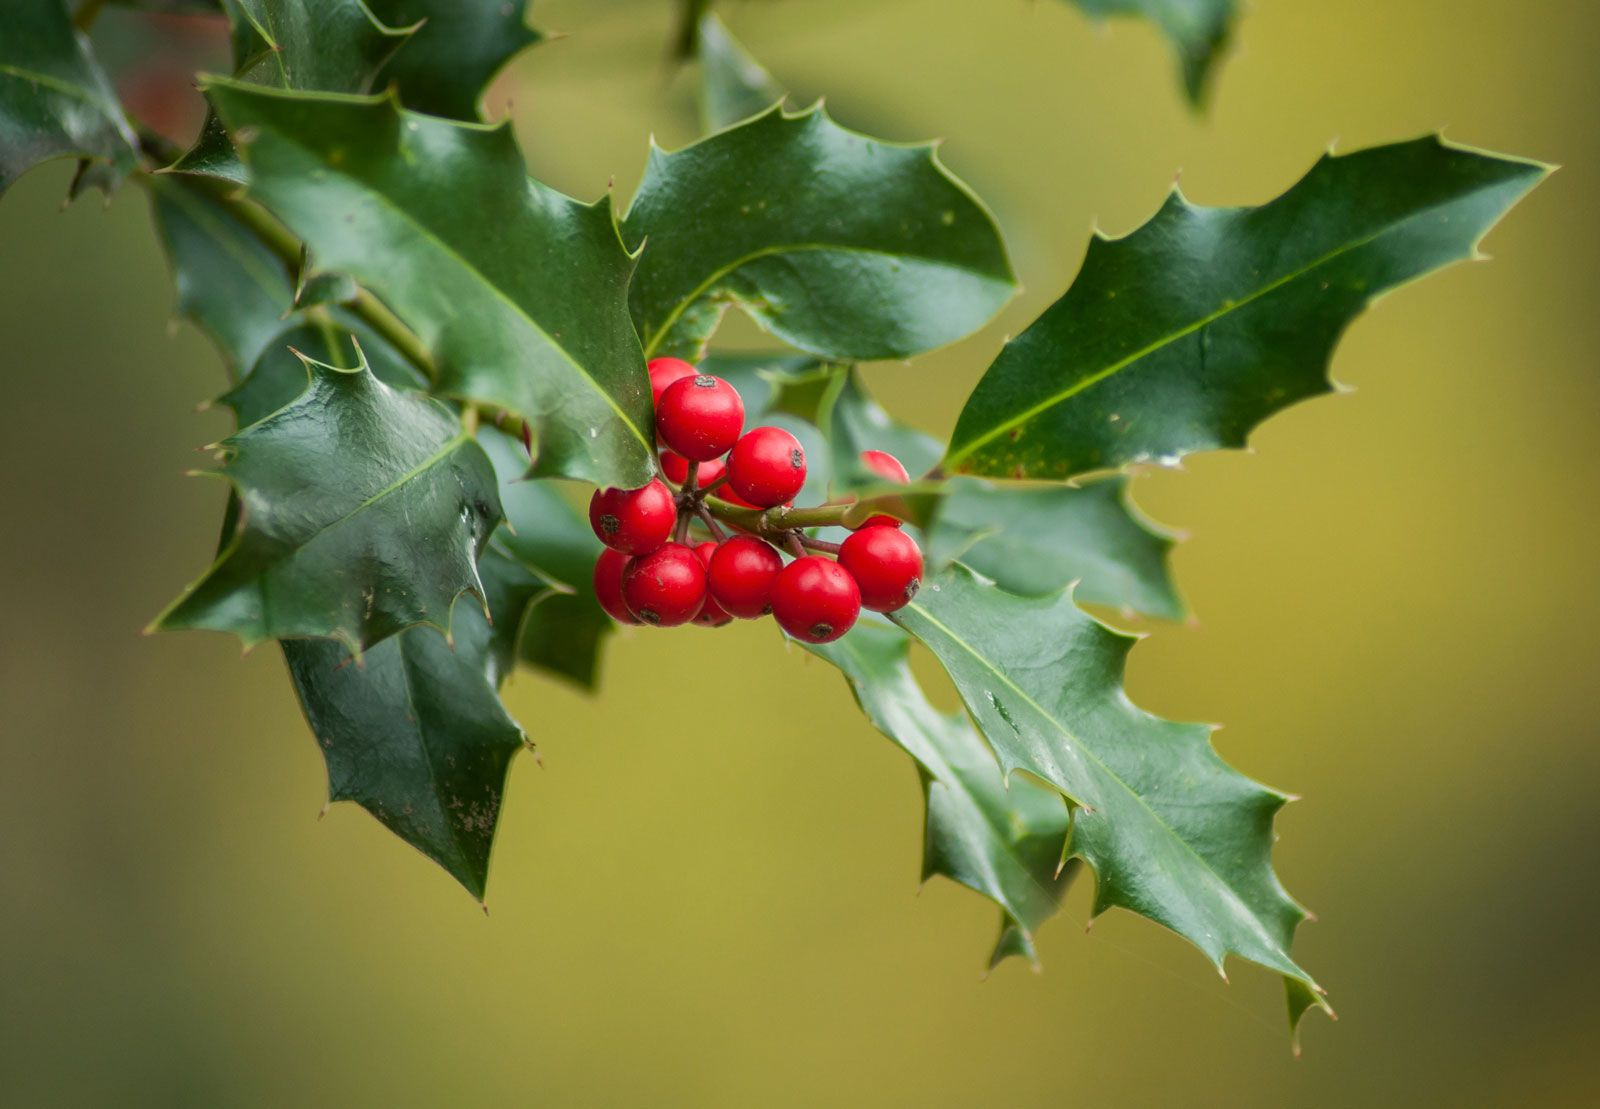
<point>838,244</point>
<point>733,85</point>
<point>1205,321</point>
<point>54,99</point>
<point>1199,31</point>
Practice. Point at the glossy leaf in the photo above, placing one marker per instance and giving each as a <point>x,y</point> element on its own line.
<point>1169,829</point>
<point>458,47</point>
<point>54,99</point>
<point>1004,843</point>
<point>1038,539</point>
<point>733,85</point>
<point>518,292</point>
<point>328,45</point>
<point>549,539</point>
<point>1192,330</point>
<point>838,244</point>
<point>279,374</point>
<point>415,734</point>
<point>364,511</point>
<point>1199,31</point>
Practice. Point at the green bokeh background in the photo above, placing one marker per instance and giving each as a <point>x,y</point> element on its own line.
<point>708,895</point>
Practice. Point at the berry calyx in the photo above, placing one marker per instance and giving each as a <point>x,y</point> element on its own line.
<point>711,614</point>
<point>815,599</point>
<point>700,417</point>
<point>889,468</point>
<point>676,467</point>
<point>608,585</point>
<point>633,521</point>
<point>767,466</point>
<point>742,572</point>
<point>663,372</point>
<point>666,587</point>
<point>886,564</point>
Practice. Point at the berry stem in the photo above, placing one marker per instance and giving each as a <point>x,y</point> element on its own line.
<point>711,522</point>
<point>718,484</point>
<point>795,544</point>
<point>774,521</point>
<point>818,544</point>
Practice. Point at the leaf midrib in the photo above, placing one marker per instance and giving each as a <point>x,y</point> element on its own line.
<point>1090,753</point>
<point>711,282</point>
<point>1083,384</point>
<point>426,232</point>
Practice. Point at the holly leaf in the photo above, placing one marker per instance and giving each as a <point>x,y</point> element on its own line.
<point>1199,31</point>
<point>364,509</point>
<point>838,244</point>
<point>334,337</point>
<point>458,47</point>
<point>1002,842</point>
<point>328,45</point>
<point>229,283</point>
<point>1189,332</point>
<point>733,85</point>
<point>55,101</point>
<point>517,291</point>
<point>1038,539</point>
<point>1170,830</point>
<point>545,536</point>
<point>415,733</point>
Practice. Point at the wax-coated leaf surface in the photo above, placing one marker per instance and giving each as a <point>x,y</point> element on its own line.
<point>1199,31</point>
<point>415,734</point>
<point>364,512</point>
<point>54,99</point>
<point>837,243</point>
<point>457,48</point>
<point>733,85</point>
<point>1205,321</point>
<point>1036,539</point>
<point>564,633</point>
<point>520,293</point>
<point>1170,830</point>
<point>1004,843</point>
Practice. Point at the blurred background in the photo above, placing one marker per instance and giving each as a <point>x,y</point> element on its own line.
<point>708,895</point>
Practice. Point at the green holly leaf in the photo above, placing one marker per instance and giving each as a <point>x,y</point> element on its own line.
<point>1192,330</point>
<point>364,509</point>
<point>836,243</point>
<point>550,540</point>
<point>55,101</point>
<point>1004,842</point>
<point>327,45</point>
<point>458,47</point>
<point>1199,31</point>
<point>241,294</point>
<point>1170,830</point>
<point>461,254</point>
<point>1038,539</point>
<point>414,732</point>
<point>733,85</point>
<point>229,283</point>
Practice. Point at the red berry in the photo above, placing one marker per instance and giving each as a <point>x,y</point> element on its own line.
<point>676,467</point>
<point>886,564</point>
<point>700,417</point>
<point>633,521</point>
<point>666,587</point>
<point>608,585</point>
<point>663,372</point>
<point>742,572</point>
<point>888,467</point>
<point>711,614</point>
<point>815,599</point>
<point>767,466</point>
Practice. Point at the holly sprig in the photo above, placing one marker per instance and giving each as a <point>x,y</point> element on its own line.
<point>418,337</point>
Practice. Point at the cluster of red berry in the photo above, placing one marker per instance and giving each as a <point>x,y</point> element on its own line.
<point>651,573</point>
